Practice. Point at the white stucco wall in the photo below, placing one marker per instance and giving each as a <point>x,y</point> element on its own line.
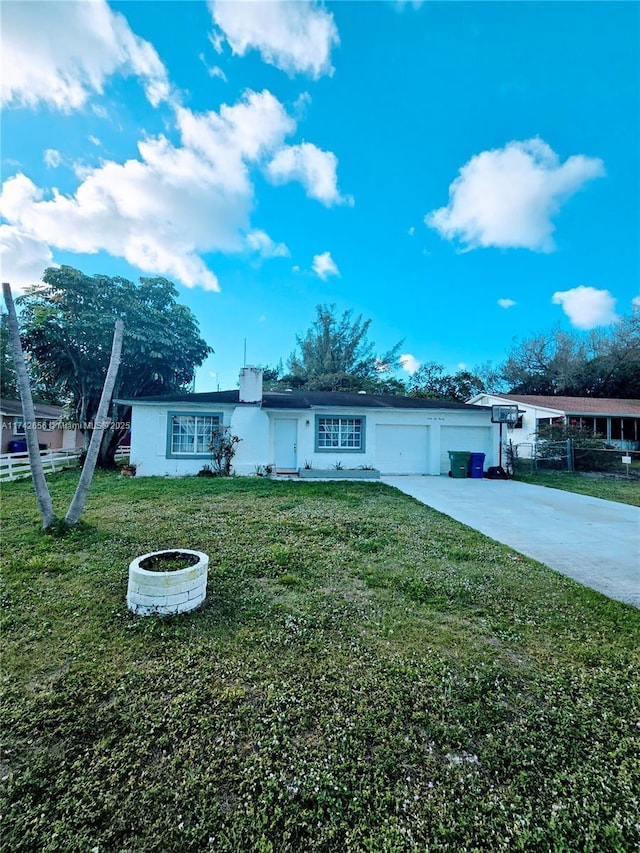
<point>525,437</point>
<point>149,424</point>
<point>251,384</point>
<point>257,428</point>
<point>70,439</point>
<point>251,424</point>
<point>434,419</point>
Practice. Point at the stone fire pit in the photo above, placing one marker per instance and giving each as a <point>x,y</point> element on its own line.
<point>167,582</point>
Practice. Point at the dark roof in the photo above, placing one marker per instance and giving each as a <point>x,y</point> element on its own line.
<point>579,405</point>
<point>351,400</point>
<point>14,407</point>
<point>219,397</point>
<point>309,399</point>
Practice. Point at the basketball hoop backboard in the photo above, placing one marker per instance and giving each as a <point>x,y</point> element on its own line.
<point>504,415</point>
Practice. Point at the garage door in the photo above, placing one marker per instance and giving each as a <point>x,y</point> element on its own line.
<point>402,449</point>
<point>473,439</point>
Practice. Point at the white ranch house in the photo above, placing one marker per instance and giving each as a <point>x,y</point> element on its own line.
<point>170,435</point>
<point>617,421</point>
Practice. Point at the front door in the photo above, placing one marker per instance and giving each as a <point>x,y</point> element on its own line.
<point>286,444</point>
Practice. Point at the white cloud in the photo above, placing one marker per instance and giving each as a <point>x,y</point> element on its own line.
<point>412,231</point>
<point>587,307</point>
<point>59,54</point>
<point>295,37</point>
<point>216,71</point>
<point>314,168</point>
<point>507,197</point>
<point>94,140</point>
<point>165,209</point>
<point>217,41</point>
<point>134,210</point>
<point>324,266</point>
<point>263,245</point>
<point>24,258</point>
<point>247,131</point>
<point>301,104</point>
<point>635,302</point>
<point>52,158</point>
<point>409,363</point>
<point>506,303</point>
<point>213,70</point>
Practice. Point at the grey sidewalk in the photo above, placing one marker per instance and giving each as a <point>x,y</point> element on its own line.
<point>593,541</point>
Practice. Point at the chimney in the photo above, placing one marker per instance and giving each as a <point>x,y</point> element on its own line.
<point>251,384</point>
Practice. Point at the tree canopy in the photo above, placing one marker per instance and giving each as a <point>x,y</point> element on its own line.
<point>335,354</point>
<point>67,326</point>
<point>431,381</point>
<point>8,379</point>
<point>599,364</point>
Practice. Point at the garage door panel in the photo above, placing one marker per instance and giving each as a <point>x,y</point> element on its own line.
<point>402,449</point>
<point>473,439</point>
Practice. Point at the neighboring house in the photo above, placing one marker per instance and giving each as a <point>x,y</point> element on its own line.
<point>617,421</point>
<point>288,430</point>
<point>53,433</point>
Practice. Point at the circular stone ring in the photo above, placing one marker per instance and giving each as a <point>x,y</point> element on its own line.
<point>165,593</point>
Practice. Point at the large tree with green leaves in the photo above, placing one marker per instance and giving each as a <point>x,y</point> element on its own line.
<point>432,382</point>
<point>335,354</point>
<point>603,363</point>
<point>8,379</point>
<point>43,496</point>
<point>67,326</point>
<point>614,368</point>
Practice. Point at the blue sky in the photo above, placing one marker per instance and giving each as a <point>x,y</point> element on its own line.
<point>461,173</point>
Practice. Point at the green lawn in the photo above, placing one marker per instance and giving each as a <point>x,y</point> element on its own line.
<point>597,486</point>
<point>366,675</point>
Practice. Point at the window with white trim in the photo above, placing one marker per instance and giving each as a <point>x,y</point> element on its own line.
<point>339,433</point>
<point>191,435</point>
<point>44,425</point>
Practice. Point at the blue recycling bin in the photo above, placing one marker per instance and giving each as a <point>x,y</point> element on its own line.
<point>18,446</point>
<point>476,465</point>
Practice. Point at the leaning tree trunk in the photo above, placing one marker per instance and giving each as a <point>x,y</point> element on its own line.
<point>111,440</point>
<point>31,432</point>
<point>80,497</point>
<point>106,456</point>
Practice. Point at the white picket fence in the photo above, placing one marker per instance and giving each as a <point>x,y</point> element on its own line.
<point>16,465</point>
<point>13,466</point>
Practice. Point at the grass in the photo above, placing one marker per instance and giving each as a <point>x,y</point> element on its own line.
<point>366,676</point>
<point>608,488</point>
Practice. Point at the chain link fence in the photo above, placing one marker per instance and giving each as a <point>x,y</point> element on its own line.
<point>569,455</point>
<point>610,461</point>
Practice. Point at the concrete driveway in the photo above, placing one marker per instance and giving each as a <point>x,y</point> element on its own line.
<point>595,542</point>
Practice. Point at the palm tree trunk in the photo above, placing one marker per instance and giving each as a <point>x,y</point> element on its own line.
<point>80,497</point>
<point>24,387</point>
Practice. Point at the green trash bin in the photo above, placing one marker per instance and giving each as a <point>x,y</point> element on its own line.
<point>459,462</point>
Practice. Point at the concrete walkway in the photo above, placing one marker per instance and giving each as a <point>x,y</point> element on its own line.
<point>595,542</point>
